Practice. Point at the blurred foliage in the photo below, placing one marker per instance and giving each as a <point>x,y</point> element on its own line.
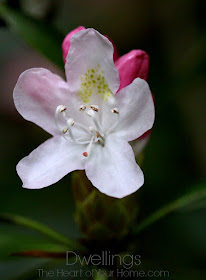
<point>40,35</point>
<point>193,199</point>
<point>31,224</point>
<point>174,35</point>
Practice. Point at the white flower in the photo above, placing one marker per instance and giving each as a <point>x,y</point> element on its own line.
<point>90,124</point>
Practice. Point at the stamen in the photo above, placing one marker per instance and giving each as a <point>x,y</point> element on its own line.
<point>92,114</point>
<point>82,108</point>
<point>62,109</point>
<point>91,129</point>
<point>95,133</point>
<point>115,111</point>
<point>82,126</point>
<point>94,108</point>
<point>65,130</point>
<point>70,123</point>
<point>59,109</point>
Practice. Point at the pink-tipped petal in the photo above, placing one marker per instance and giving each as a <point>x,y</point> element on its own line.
<point>37,94</point>
<point>132,65</point>
<point>66,42</point>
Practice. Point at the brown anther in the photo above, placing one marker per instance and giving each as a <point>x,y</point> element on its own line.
<point>94,108</point>
<point>98,135</point>
<point>70,122</point>
<point>65,130</point>
<point>82,108</point>
<point>63,109</point>
<point>115,111</point>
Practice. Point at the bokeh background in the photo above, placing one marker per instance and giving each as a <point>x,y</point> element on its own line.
<point>173,33</point>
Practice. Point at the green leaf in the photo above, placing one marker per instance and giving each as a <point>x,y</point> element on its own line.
<point>41,228</point>
<point>15,242</point>
<point>194,196</point>
<point>38,34</point>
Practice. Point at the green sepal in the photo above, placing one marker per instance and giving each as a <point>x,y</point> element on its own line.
<point>101,217</point>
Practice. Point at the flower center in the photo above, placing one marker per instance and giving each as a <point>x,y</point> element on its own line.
<point>91,134</point>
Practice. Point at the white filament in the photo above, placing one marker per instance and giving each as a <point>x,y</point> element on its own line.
<point>92,114</point>
<point>95,132</point>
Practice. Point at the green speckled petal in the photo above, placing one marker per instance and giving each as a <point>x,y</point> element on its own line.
<point>90,69</point>
<point>93,82</point>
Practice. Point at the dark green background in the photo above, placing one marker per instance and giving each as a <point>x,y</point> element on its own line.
<point>174,35</point>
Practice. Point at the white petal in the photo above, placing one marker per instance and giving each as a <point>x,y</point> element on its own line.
<point>37,94</point>
<point>136,110</point>
<point>112,169</point>
<point>50,162</point>
<point>90,69</point>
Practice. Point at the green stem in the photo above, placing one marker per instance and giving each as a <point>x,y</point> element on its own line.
<point>171,207</point>
<point>39,227</point>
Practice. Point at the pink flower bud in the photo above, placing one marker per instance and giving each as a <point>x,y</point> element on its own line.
<point>66,42</point>
<point>132,65</point>
<point>115,55</point>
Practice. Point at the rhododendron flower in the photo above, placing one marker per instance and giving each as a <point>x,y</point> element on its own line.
<point>130,66</point>
<point>91,125</point>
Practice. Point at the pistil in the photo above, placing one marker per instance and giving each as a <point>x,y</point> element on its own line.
<point>88,150</point>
